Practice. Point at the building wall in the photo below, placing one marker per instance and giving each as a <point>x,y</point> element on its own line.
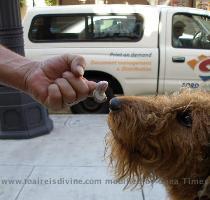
<point>186,3</point>
<point>75,2</point>
<point>127,1</point>
<point>72,2</point>
<point>204,4</point>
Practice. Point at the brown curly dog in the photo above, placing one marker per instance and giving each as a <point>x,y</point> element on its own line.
<point>164,138</point>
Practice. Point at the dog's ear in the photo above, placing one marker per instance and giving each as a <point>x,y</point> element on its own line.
<point>204,193</point>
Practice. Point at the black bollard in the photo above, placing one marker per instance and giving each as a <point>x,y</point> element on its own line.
<point>20,115</point>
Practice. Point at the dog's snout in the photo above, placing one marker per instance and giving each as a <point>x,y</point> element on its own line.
<point>115,104</point>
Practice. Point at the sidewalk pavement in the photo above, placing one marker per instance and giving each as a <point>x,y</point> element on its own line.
<point>67,164</point>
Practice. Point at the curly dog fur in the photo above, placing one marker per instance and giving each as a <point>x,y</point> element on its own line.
<point>163,138</point>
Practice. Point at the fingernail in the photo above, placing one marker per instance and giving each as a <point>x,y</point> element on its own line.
<point>81,70</point>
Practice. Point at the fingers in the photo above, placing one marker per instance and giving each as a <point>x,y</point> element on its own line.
<point>79,84</point>
<point>68,85</point>
<point>67,92</point>
<point>54,98</point>
<point>91,86</point>
<point>77,64</point>
<point>59,94</point>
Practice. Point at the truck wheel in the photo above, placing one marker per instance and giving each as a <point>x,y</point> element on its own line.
<point>89,106</point>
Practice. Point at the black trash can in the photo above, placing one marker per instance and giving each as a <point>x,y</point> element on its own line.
<point>20,115</point>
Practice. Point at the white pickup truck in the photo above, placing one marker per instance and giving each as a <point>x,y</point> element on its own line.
<point>138,49</point>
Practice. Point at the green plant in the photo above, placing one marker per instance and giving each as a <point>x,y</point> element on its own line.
<point>51,2</point>
<point>22,3</point>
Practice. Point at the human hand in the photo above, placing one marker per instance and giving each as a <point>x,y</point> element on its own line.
<point>58,81</point>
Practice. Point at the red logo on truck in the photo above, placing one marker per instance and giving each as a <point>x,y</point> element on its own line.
<point>203,64</point>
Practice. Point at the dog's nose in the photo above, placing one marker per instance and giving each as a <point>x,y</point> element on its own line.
<point>115,104</point>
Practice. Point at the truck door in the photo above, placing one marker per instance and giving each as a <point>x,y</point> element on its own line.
<point>187,50</point>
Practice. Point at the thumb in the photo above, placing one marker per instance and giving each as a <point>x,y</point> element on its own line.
<point>78,65</point>
<point>91,86</point>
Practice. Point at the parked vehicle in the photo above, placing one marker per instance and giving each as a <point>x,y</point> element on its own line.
<point>138,49</point>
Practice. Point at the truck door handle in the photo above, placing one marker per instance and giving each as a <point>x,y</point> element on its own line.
<point>178,59</point>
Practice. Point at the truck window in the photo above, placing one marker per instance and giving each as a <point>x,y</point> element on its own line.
<point>191,31</point>
<point>65,28</point>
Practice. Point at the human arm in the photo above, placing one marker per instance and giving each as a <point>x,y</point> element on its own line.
<point>53,82</point>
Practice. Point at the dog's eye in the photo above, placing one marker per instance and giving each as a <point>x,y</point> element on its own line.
<point>185,118</point>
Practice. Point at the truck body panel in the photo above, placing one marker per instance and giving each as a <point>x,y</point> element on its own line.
<point>147,65</point>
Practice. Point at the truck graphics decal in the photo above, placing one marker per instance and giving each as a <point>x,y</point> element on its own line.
<point>202,66</point>
<point>125,65</point>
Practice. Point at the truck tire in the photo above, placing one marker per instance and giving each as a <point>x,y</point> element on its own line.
<point>89,106</point>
